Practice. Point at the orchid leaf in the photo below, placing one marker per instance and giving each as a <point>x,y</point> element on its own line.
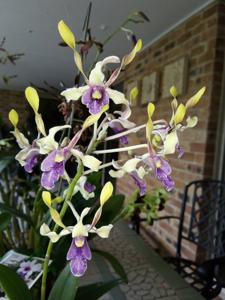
<point>95,290</point>
<point>13,285</point>
<point>65,286</point>
<point>5,161</point>
<point>16,212</point>
<point>114,262</point>
<point>5,219</point>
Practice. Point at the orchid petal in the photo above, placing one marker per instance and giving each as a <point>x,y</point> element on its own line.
<point>13,117</point>
<point>56,217</point>
<point>75,213</point>
<point>173,91</point>
<point>191,122</point>
<point>80,187</point>
<point>91,162</point>
<point>97,76</point>
<point>179,114</point>
<point>94,118</point>
<point>66,34</point>
<point>106,193</point>
<point>133,94</point>
<point>84,212</point>
<point>48,143</point>
<point>103,231</point>
<point>21,156</point>
<point>20,138</point>
<point>129,57</point>
<point>150,109</point>
<point>40,124</point>
<point>33,98</point>
<point>74,93</point>
<point>116,174</point>
<point>170,143</point>
<point>97,217</point>
<point>78,62</point>
<point>46,196</point>
<point>130,165</point>
<point>124,123</point>
<point>45,231</point>
<point>119,98</point>
<point>79,229</point>
<point>195,99</point>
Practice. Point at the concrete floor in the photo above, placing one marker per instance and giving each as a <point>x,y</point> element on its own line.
<point>149,276</point>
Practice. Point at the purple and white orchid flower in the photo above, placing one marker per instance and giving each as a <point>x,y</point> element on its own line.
<point>130,168</point>
<point>79,252</point>
<point>53,167</point>
<point>97,92</point>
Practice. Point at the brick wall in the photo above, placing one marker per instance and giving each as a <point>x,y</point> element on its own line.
<point>201,39</point>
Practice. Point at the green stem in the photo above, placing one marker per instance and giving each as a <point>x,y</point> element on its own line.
<point>35,214</point>
<point>108,39</point>
<point>62,213</point>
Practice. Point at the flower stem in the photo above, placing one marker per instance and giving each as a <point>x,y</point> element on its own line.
<point>132,130</point>
<point>121,149</point>
<point>62,213</point>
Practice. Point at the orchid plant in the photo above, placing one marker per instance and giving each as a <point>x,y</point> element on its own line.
<point>162,139</point>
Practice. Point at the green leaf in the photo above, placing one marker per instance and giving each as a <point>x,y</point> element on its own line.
<point>95,290</point>
<point>114,263</point>
<point>5,219</point>
<point>5,161</point>
<point>65,286</point>
<point>16,212</point>
<point>13,285</point>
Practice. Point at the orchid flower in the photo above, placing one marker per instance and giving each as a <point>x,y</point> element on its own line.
<point>79,252</point>
<point>28,156</point>
<point>130,167</point>
<point>53,166</point>
<point>96,93</point>
<point>170,139</point>
<point>84,187</point>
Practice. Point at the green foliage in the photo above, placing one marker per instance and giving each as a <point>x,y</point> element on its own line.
<point>5,160</point>
<point>65,286</point>
<point>5,219</point>
<point>96,290</point>
<point>13,285</point>
<point>16,212</point>
<point>118,268</point>
<point>150,204</point>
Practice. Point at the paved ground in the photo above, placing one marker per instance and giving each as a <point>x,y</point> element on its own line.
<point>149,276</point>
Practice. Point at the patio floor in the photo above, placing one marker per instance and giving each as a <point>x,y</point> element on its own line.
<point>149,276</point>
